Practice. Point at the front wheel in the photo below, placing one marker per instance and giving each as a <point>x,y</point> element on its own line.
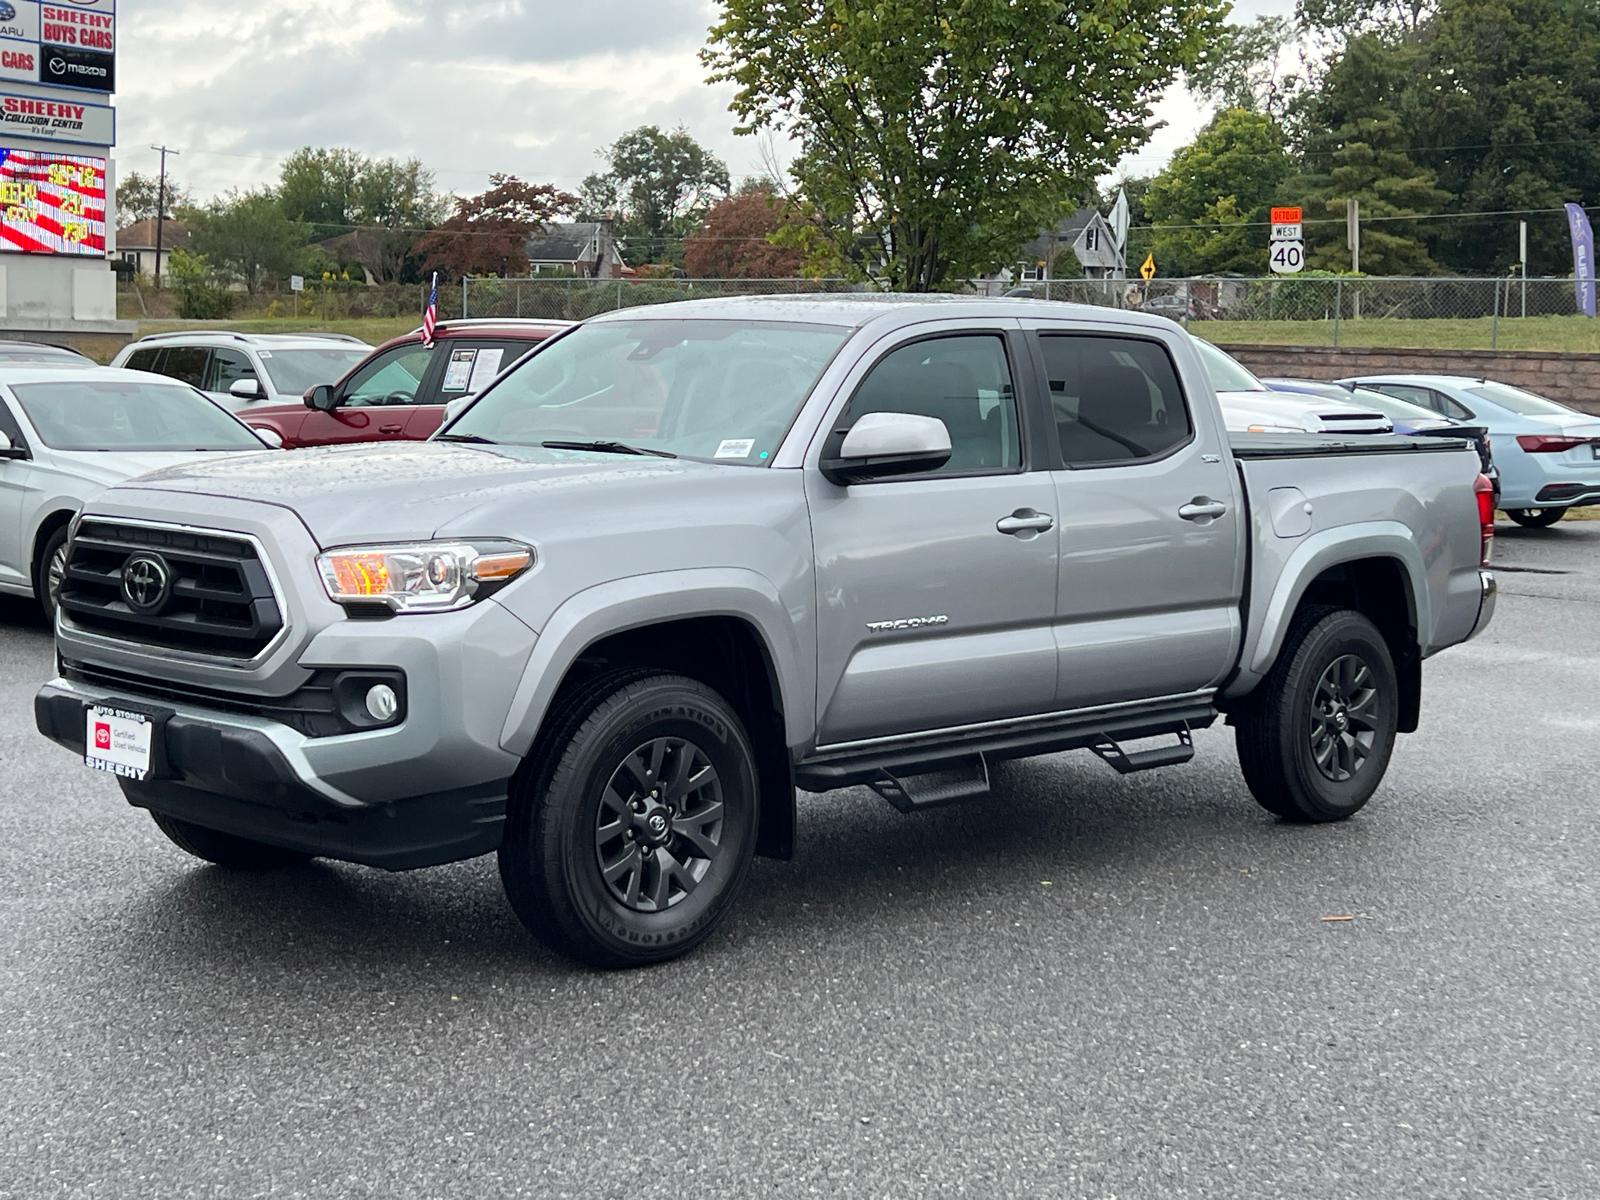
<point>1536,518</point>
<point>635,826</point>
<point>1315,737</point>
<point>49,571</point>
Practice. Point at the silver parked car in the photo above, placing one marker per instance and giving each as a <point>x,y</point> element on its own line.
<point>243,371</point>
<point>67,433</point>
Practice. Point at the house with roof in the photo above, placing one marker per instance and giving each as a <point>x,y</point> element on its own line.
<point>1088,235</point>
<point>576,248</point>
<point>137,243</point>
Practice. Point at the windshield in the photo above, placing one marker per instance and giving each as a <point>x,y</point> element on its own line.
<point>297,371</point>
<point>122,415</point>
<point>1226,374</point>
<point>724,390</point>
<point>1396,409</point>
<point>1524,404</point>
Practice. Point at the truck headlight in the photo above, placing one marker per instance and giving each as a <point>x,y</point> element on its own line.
<point>422,576</point>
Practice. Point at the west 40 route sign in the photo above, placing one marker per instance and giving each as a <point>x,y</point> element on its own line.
<point>1286,252</point>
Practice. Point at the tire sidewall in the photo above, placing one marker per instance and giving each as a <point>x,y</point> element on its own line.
<point>1334,637</point>
<point>41,572</point>
<point>662,710</point>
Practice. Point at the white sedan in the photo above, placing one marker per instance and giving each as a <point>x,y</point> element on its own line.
<point>1250,406</point>
<point>68,432</point>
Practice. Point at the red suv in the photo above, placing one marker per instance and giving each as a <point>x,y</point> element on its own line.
<point>400,390</point>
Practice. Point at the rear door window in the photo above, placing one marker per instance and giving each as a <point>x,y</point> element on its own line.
<point>187,363</point>
<point>143,360</point>
<point>1113,399</point>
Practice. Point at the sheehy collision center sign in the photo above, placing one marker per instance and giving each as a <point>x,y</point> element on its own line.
<point>57,120</point>
<point>65,43</point>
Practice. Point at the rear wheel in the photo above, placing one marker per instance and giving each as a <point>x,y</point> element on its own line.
<point>635,827</point>
<point>1315,737</point>
<point>224,849</point>
<point>49,571</point>
<point>1536,518</point>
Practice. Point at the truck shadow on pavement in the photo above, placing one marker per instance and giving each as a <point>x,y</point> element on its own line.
<point>861,867</point>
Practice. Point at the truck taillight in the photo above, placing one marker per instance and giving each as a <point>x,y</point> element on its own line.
<point>1484,488</point>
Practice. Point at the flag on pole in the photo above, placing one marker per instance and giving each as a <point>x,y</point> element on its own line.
<point>1583,273</point>
<point>430,319</point>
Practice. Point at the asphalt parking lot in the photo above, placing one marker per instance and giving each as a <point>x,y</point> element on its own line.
<point>1081,986</point>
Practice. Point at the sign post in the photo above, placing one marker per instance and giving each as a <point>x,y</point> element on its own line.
<point>1286,249</point>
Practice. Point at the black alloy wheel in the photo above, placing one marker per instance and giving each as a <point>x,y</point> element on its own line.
<point>633,824</point>
<point>1314,738</point>
<point>1536,518</point>
<point>658,830</point>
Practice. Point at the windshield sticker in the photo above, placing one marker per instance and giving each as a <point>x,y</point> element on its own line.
<point>265,353</point>
<point>459,372</point>
<point>485,369</point>
<point>735,448</point>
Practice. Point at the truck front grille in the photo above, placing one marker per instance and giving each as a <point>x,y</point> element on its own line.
<point>178,589</point>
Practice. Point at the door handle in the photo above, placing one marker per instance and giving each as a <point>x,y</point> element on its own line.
<point>1202,508</point>
<point>390,428</point>
<point>1024,522</point>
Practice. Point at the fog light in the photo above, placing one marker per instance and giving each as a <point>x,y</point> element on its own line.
<point>382,703</point>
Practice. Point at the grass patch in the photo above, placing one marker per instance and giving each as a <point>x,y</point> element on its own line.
<point>1566,333</point>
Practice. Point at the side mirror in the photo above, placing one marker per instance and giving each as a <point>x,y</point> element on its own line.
<point>321,398</point>
<point>268,435</point>
<point>245,389</point>
<point>9,449</point>
<point>889,443</point>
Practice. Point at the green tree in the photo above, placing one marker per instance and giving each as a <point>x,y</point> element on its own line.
<point>247,235</point>
<point>659,185</point>
<point>1250,66</point>
<point>375,207</point>
<point>938,136</point>
<point>1209,208</point>
<point>136,197</point>
<point>318,187</point>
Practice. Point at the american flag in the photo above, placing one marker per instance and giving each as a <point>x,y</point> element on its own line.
<point>430,319</point>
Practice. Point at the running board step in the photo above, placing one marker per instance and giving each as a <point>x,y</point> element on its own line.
<point>909,798</point>
<point>1124,763</point>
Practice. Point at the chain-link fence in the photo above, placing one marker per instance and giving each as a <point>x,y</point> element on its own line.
<point>1312,311</point>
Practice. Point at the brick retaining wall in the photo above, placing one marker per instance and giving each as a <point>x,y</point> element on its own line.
<point>1570,378</point>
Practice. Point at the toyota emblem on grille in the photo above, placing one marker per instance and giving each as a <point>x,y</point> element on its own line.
<point>145,583</point>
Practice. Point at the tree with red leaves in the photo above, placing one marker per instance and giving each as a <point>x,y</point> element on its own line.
<point>732,242</point>
<point>488,234</point>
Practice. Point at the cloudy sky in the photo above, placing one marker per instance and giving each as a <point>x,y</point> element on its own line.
<point>529,87</point>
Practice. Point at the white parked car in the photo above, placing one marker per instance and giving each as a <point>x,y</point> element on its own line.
<point>1250,406</point>
<point>243,370</point>
<point>66,433</point>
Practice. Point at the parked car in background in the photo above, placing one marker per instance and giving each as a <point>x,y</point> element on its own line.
<point>1250,406</point>
<point>67,433</point>
<point>243,370</point>
<point>42,352</point>
<point>1548,454</point>
<point>1408,418</point>
<point>400,390</point>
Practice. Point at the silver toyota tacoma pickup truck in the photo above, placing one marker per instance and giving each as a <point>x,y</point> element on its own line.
<point>683,561</point>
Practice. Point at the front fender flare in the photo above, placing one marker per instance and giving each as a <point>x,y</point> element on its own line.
<point>651,599</point>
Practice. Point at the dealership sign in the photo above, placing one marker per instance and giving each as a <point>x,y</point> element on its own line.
<point>65,43</point>
<point>57,120</point>
<point>52,203</point>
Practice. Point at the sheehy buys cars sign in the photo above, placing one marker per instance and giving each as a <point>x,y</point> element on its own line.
<point>67,43</point>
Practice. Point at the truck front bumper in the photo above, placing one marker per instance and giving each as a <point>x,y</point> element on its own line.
<point>429,789</point>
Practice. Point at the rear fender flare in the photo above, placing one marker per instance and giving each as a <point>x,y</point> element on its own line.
<point>1320,551</point>
<point>652,599</point>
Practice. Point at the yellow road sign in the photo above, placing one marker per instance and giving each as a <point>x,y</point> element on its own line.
<point>1149,268</point>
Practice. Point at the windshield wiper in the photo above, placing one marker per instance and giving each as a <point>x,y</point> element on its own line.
<point>472,438</point>
<point>608,448</point>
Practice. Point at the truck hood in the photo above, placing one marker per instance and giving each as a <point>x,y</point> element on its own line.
<point>407,490</point>
<point>109,467</point>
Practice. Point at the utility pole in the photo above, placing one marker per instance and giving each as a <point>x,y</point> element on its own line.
<point>161,207</point>
<point>1352,233</point>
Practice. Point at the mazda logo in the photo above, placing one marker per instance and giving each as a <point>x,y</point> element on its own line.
<point>58,66</point>
<point>145,583</point>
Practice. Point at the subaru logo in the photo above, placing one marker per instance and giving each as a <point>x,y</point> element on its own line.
<point>145,583</point>
<point>7,13</point>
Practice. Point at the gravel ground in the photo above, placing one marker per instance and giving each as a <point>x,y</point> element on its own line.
<point>1081,986</point>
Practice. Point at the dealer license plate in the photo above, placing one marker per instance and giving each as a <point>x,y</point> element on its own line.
<point>117,741</point>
